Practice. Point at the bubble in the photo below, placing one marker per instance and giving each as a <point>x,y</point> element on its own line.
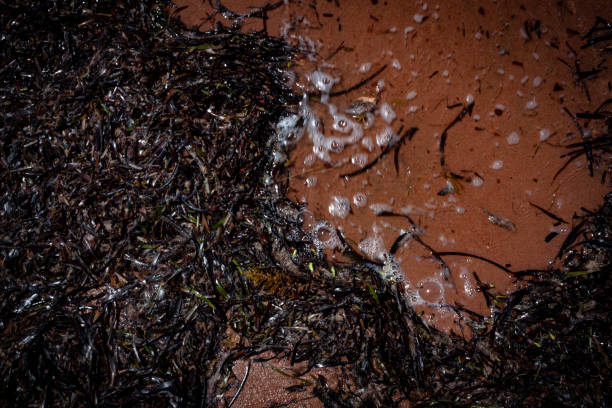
<point>385,136</point>
<point>544,134</point>
<point>478,35</point>
<point>431,290</point>
<point>373,247</point>
<point>288,131</point>
<point>536,56</point>
<point>497,164</point>
<point>311,181</point>
<point>359,159</point>
<point>537,81</point>
<point>386,112</point>
<point>324,235</point>
<point>411,95</point>
<point>532,104</point>
<point>360,199</point>
<point>524,79</point>
<point>477,182</point>
<point>322,81</point>
<point>309,160</point>
<point>468,286</point>
<point>339,207</point>
<point>391,270</point>
<point>342,124</point>
<point>368,143</point>
<point>418,18</point>
<point>365,67</point>
<point>396,64</point>
<point>335,145</point>
<point>378,208</point>
<point>513,138</point>
<point>469,99</point>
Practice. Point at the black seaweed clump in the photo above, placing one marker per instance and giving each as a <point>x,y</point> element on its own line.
<point>145,246</point>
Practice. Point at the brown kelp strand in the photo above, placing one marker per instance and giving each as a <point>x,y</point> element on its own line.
<point>145,246</point>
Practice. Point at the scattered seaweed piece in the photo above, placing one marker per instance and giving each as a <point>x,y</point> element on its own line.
<point>548,213</point>
<point>601,24</point>
<point>360,83</point>
<point>467,110</point>
<point>394,145</point>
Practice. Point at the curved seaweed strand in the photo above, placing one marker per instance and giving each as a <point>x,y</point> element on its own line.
<point>482,258</point>
<point>467,110</point>
<point>391,146</point>
<point>587,145</point>
<point>412,234</point>
<point>360,83</point>
<point>548,213</point>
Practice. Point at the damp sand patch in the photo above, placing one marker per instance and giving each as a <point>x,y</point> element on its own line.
<point>433,154</point>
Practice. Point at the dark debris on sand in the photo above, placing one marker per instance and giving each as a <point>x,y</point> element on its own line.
<point>145,247</point>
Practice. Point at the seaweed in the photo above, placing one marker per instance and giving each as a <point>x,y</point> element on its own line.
<point>467,110</point>
<point>147,245</point>
<point>393,145</point>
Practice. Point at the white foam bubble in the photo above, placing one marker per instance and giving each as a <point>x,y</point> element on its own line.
<point>532,104</point>
<point>431,290</point>
<point>365,67</point>
<point>339,207</point>
<point>411,95</point>
<point>386,136</point>
<point>359,159</point>
<point>324,235</point>
<point>322,81</point>
<point>537,81</point>
<point>469,99</point>
<point>386,112</point>
<point>396,64</point>
<point>497,164</point>
<point>311,181</point>
<point>544,134</point>
<point>378,208</point>
<point>360,199</point>
<point>368,143</point>
<point>513,138</point>
<point>468,286</point>
<point>373,247</point>
<point>418,18</point>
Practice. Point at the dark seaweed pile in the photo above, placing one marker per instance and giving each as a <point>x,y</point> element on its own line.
<point>145,247</point>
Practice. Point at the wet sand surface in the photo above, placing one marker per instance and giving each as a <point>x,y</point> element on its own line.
<point>509,66</point>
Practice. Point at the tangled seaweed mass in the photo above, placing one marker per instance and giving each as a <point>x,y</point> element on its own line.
<point>145,247</point>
